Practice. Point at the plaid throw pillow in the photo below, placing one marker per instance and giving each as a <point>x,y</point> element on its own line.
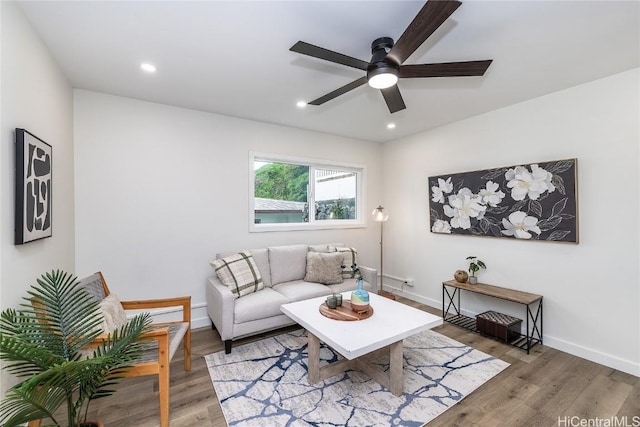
<point>349,263</point>
<point>240,273</point>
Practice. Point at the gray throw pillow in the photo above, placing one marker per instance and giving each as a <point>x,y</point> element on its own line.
<point>324,268</point>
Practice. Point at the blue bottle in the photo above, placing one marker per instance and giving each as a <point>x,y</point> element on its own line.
<point>360,298</point>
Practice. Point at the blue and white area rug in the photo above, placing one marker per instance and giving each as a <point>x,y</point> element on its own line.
<point>265,384</point>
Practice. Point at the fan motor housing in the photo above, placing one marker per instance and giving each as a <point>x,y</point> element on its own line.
<point>380,64</point>
<point>381,43</point>
<point>379,49</point>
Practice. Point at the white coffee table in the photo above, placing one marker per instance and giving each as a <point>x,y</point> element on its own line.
<point>390,323</point>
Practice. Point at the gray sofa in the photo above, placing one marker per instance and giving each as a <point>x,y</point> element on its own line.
<point>283,270</point>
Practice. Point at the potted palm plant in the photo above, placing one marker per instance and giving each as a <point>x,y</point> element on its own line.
<point>474,266</point>
<point>45,343</point>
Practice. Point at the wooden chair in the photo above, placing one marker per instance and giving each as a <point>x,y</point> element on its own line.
<point>165,337</point>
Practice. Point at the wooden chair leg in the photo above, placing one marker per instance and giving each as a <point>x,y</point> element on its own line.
<point>163,380</point>
<point>187,350</point>
<point>163,391</point>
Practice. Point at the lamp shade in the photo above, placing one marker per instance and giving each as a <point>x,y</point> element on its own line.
<point>379,214</point>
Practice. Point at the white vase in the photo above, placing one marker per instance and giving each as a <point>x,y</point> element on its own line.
<point>473,280</point>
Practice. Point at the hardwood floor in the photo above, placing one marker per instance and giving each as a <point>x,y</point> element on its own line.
<point>546,388</point>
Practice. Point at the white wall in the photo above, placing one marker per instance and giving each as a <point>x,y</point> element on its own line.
<point>591,290</point>
<point>35,96</point>
<point>160,190</point>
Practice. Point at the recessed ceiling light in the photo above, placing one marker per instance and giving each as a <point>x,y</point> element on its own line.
<point>149,68</point>
<point>391,126</point>
<point>301,104</point>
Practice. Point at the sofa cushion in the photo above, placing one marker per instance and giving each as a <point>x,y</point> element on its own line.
<point>287,263</point>
<point>321,248</point>
<point>298,290</point>
<point>324,268</point>
<point>261,257</point>
<point>259,305</point>
<point>329,247</point>
<point>240,273</point>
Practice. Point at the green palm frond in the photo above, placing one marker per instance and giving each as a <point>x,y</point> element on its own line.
<point>44,341</point>
<point>67,319</point>
<point>22,405</point>
<point>25,358</point>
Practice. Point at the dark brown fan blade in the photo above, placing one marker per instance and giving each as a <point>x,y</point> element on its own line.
<point>430,17</point>
<point>344,89</point>
<point>445,69</point>
<point>393,98</point>
<point>328,55</point>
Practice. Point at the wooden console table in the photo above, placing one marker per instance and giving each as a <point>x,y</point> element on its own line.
<point>533,316</point>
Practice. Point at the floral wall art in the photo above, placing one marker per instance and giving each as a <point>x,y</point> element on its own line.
<point>536,201</point>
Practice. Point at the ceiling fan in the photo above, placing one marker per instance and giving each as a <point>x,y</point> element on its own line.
<point>386,65</point>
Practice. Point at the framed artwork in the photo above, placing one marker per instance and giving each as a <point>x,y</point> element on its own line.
<point>536,201</point>
<point>33,188</point>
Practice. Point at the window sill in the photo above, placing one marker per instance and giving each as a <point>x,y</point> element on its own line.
<point>330,225</point>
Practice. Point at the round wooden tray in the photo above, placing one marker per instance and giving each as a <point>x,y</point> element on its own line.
<point>344,312</point>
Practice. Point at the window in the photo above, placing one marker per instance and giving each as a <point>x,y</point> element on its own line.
<point>290,193</point>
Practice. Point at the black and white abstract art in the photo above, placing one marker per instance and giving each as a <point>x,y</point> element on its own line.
<point>33,188</point>
<point>536,201</point>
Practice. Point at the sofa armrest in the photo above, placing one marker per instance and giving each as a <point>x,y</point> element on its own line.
<point>369,275</point>
<point>220,307</point>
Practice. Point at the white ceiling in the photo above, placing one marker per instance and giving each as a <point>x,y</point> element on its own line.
<point>233,57</point>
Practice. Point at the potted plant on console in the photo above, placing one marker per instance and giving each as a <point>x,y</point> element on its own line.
<point>56,345</point>
<point>474,266</point>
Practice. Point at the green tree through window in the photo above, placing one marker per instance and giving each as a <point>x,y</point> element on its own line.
<point>282,181</point>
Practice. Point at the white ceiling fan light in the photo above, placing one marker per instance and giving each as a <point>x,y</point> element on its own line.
<point>382,77</point>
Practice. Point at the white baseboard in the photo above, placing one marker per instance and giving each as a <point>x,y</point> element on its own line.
<point>593,355</point>
<point>628,366</point>
<point>199,316</point>
<point>412,296</point>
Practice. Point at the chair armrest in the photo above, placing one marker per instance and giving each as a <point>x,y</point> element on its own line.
<point>220,307</point>
<point>157,303</point>
<point>185,302</point>
<point>152,335</point>
<point>369,275</point>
